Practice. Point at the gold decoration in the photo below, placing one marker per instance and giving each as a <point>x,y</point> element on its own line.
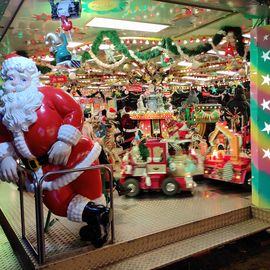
<point>229,66</point>
<point>127,67</point>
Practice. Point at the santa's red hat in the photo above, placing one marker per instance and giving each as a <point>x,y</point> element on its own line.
<point>111,113</point>
<point>8,56</point>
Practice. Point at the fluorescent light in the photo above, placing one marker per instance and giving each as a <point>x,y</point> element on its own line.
<point>72,44</point>
<point>185,64</point>
<point>226,72</point>
<point>126,25</point>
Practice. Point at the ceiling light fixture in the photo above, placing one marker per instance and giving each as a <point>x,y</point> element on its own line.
<point>126,25</point>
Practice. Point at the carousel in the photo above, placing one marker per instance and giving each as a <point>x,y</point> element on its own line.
<point>134,134</point>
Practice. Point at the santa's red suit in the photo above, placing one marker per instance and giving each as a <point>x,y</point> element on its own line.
<point>129,128</point>
<point>59,111</point>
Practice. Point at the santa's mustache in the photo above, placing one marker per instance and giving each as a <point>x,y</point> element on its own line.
<point>19,91</point>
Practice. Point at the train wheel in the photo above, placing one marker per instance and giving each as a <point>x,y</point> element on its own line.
<point>170,187</point>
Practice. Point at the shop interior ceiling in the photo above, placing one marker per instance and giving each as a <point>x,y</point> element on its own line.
<point>23,24</point>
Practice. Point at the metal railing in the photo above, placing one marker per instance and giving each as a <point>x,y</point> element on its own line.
<point>40,252</point>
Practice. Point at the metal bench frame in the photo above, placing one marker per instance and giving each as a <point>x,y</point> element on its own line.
<point>40,252</point>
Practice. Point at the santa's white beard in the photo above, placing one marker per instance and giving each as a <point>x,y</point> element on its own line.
<point>19,110</point>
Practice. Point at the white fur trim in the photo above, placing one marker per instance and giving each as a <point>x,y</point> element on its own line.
<point>70,177</point>
<point>76,207</point>
<point>21,145</point>
<point>6,149</point>
<point>100,200</point>
<point>69,134</point>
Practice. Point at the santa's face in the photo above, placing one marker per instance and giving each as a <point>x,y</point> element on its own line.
<point>20,100</point>
<point>16,81</point>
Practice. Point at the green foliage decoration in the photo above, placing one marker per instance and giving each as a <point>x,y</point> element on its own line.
<point>144,152</point>
<point>168,44</point>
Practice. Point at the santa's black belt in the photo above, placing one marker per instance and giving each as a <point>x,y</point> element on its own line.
<point>35,164</point>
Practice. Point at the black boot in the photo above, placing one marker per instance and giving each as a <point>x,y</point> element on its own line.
<point>98,219</point>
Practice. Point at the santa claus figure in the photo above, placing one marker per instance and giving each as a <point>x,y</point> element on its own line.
<point>42,126</point>
<point>129,128</point>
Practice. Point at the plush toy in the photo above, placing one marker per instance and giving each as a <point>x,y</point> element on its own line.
<point>42,126</point>
<point>58,47</point>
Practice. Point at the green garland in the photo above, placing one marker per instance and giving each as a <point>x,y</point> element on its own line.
<point>167,43</point>
<point>115,40</point>
<point>85,56</point>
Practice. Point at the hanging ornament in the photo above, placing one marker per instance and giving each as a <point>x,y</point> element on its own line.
<point>166,60</point>
<point>66,25</point>
<point>230,50</point>
<point>127,67</point>
<point>58,47</point>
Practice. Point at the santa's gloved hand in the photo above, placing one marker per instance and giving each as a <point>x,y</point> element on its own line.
<point>59,153</point>
<point>8,169</point>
